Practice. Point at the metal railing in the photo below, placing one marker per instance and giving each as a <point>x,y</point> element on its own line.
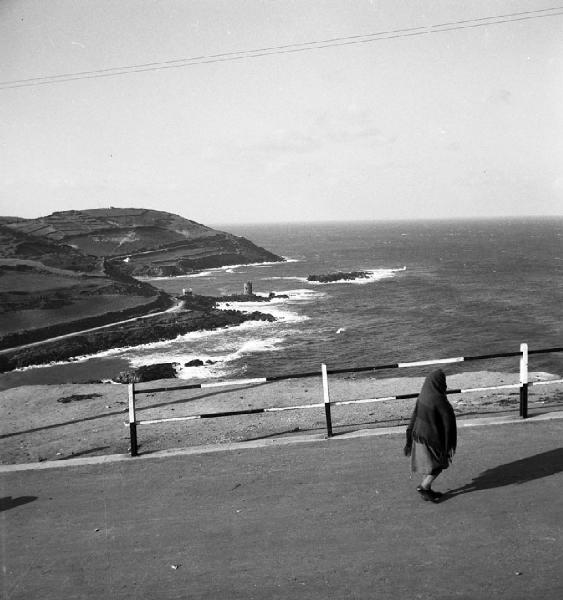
<point>327,404</point>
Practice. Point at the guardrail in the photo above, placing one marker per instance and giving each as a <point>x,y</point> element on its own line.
<point>523,385</point>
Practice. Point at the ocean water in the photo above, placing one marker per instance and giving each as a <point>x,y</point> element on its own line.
<point>436,289</point>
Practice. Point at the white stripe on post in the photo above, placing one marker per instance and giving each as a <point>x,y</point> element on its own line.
<point>524,364</point>
<point>524,381</point>
<point>131,391</point>
<point>326,398</point>
<point>438,361</point>
<point>132,420</point>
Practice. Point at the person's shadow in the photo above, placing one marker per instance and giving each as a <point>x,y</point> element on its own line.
<point>519,471</point>
<point>8,502</point>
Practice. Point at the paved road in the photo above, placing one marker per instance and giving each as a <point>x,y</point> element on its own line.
<point>328,519</point>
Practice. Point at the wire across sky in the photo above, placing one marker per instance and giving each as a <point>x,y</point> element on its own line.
<point>285,49</point>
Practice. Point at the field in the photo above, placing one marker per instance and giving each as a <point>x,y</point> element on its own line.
<point>81,308</point>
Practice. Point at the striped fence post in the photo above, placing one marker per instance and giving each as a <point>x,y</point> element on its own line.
<point>326,397</point>
<point>524,381</point>
<point>132,420</point>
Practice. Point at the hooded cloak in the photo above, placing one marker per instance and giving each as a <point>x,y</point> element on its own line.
<point>433,420</point>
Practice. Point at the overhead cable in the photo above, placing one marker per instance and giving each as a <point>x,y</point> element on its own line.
<point>284,49</point>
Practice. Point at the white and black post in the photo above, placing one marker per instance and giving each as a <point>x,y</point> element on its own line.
<point>132,420</point>
<point>524,381</point>
<point>326,401</point>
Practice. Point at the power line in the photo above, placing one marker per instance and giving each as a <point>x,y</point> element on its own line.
<point>285,49</point>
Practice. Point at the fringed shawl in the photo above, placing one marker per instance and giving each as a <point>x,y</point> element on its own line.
<point>433,420</point>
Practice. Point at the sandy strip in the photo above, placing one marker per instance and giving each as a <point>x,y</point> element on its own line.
<point>56,422</point>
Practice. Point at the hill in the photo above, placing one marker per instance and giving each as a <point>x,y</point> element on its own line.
<point>146,242</point>
<point>45,284</point>
<point>72,271</point>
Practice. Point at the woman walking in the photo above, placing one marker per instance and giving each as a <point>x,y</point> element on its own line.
<point>431,434</point>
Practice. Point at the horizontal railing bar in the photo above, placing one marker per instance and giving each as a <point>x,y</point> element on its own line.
<point>234,382</point>
<point>364,401</point>
<point>294,376</point>
<point>250,411</point>
<point>299,407</point>
<point>507,386</point>
<point>548,382</point>
<point>346,370</point>
<point>435,361</point>
<point>545,350</point>
<point>166,420</point>
<point>338,403</point>
<point>191,386</point>
<point>362,369</point>
<point>495,355</point>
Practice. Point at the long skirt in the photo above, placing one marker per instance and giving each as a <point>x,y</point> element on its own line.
<point>423,462</point>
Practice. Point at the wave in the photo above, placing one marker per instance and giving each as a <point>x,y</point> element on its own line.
<point>175,277</point>
<point>285,277</point>
<point>217,361</point>
<point>212,271</point>
<point>277,310</point>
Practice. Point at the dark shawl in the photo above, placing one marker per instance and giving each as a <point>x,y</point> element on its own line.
<point>433,421</point>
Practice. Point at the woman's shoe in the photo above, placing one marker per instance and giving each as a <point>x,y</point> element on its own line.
<point>429,494</point>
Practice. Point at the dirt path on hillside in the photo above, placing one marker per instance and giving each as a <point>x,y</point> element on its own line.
<point>174,308</point>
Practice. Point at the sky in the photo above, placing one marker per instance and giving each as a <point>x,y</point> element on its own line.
<point>446,124</point>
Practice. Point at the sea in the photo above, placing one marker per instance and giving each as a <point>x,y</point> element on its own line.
<point>434,289</point>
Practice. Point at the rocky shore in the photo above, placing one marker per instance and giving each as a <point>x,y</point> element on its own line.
<point>198,313</point>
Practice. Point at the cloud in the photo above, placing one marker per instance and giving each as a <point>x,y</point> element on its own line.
<point>317,132</point>
<point>501,96</point>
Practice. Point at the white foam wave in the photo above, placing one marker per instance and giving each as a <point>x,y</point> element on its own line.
<point>302,294</point>
<point>228,268</point>
<point>215,365</point>
<point>175,277</point>
<point>274,308</point>
<point>212,271</point>
<point>287,277</point>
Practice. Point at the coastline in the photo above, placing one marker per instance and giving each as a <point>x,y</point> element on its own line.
<point>197,313</point>
<point>61,421</point>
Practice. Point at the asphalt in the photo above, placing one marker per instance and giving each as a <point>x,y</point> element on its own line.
<point>299,518</point>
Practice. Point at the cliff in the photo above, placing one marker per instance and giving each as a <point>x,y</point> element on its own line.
<point>145,242</point>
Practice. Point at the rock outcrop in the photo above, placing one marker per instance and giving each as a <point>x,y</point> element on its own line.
<point>339,276</point>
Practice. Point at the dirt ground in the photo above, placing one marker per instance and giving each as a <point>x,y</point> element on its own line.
<point>323,520</point>
<point>56,422</point>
